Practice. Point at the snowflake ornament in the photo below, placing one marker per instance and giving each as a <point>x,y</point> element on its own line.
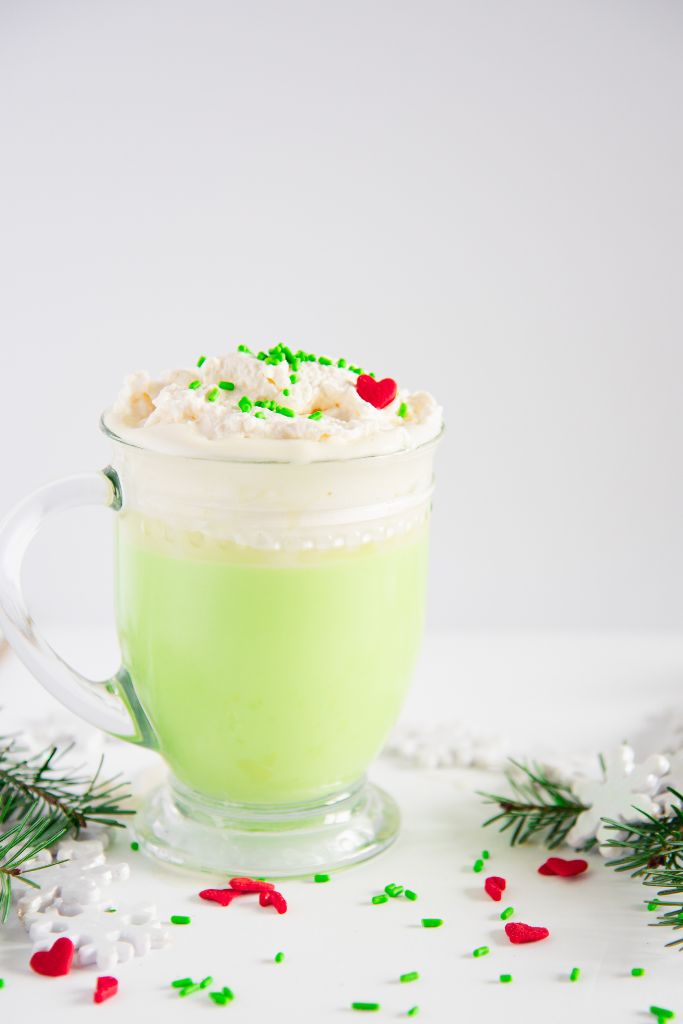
<point>449,745</point>
<point>624,789</point>
<point>80,882</point>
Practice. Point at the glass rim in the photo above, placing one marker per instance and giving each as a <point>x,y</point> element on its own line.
<point>109,432</point>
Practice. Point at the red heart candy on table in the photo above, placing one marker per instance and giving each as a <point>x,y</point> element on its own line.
<point>494,886</point>
<point>519,933</point>
<point>563,868</point>
<point>251,885</point>
<point>55,961</point>
<point>273,899</point>
<point>379,393</point>
<point>222,896</point>
<point>106,988</point>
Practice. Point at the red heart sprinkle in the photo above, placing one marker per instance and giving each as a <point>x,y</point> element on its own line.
<point>55,961</point>
<point>251,885</point>
<point>273,899</point>
<point>222,896</point>
<point>379,393</point>
<point>106,988</point>
<point>495,887</point>
<point>563,868</point>
<point>518,932</point>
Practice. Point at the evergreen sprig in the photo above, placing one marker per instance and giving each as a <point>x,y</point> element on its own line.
<point>42,799</point>
<point>652,850</point>
<point>538,807</point>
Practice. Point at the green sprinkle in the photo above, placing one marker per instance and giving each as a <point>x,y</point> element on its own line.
<point>211,395</point>
<point>226,385</point>
<point>182,982</point>
<point>508,912</point>
<point>245,348</point>
<point>321,878</point>
<point>432,922</point>
<point>135,845</point>
<point>324,361</point>
<point>2,982</point>
<point>413,1011</point>
<point>481,951</point>
<point>180,919</point>
<point>410,895</point>
<point>110,910</point>
<point>285,392</point>
<point>659,1011</point>
<point>262,356</point>
<point>485,854</point>
<point>506,978</point>
<point>260,415</point>
<point>293,378</point>
<point>284,410</point>
<point>653,905</point>
<point>393,889</point>
<point>478,866</point>
<point>227,992</point>
<point>279,957</point>
<point>201,360</point>
<point>317,415</point>
<point>409,976</point>
<point>188,990</point>
<point>575,974</point>
<point>380,898</point>
<point>373,375</point>
<point>219,999</point>
<point>261,404</point>
<point>245,403</point>
<point>341,363</point>
<point>194,384</point>
<point>402,410</point>
<point>637,972</point>
<point>365,1006</point>
<point>354,369</point>
<point>205,982</point>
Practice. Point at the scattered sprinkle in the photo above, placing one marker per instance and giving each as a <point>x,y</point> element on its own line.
<point>182,982</point>
<point>227,992</point>
<point>211,395</point>
<point>637,972</point>
<point>508,912</point>
<point>245,403</point>
<point>402,410</point>
<point>135,845</point>
<point>413,1011</point>
<point>380,898</point>
<point>575,974</point>
<point>279,957</point>
<point>410,895</point>
<point>245,348</point>
<point>393,889</point>
<point>478,866</point>
<point>341,363</point>
<point>226,385</point>
<point>194,384</point>
<point>506,978</point>
<point>653,905</point>
<point>219,998</point>
<point>432,922</point>
<point>284,410</point>
<point>481,951</point>
<point>321,878</point>
<point>201,360</point>
<point>485,854</point>
<point>409,976</point>
<point>659,1011</point>
<point>324,361</point>
<point>105,988</point>
<point>365,1006</point>
<point>293,378</point>
<point>519,933</point>
<point>317,415</point>
<point>180,919</point>
<point>285,392</point>
<point>2,982</point>
<point>189,989</point>
<point>260,415</point>
<point>205,982</point>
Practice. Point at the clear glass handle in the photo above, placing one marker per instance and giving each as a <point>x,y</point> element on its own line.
<point>109,704</point>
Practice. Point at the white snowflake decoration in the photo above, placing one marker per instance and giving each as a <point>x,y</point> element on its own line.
<point>447,746</point>
<point>625,789</point>
<point>78,883</point>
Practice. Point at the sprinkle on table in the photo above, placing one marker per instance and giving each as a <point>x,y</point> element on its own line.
<point>135,846</point>
<point>478,866</point>
<point>212,395</point>
<point>485,854</point>
<point>245,403</point>
<point>226,385</point>
<point>2,982</point>
<point>432,922</point>
<point>180,919</point>
<point>481,951</point>
<point>317,415</point>
<point>505,979</point>
<point>201,360</point>
<point>663,1014</point>
<point>321,877</point>
<point>409,976</point>
<point>575,974</point>
<point>653,905</point>
<point>410,895</point>
<point>508,912</point>
<point>189,990</point>
<point>380,898</point>
<point>194,384</point>
<point>279,957</point>
<point>637,972</point>
<point>365,1006</point>
<point>182,982</point>
<point>402,410</point>
<point>413,1011</point>
<point>393,889</point>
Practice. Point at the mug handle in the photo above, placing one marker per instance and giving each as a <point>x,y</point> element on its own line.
<point>109,704</point>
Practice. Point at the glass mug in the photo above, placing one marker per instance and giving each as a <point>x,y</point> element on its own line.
<point>269,616</point>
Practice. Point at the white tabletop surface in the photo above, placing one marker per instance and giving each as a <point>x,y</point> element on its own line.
<point>545,692</point>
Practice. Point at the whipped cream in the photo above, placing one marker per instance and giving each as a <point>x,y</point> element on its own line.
<point>166,413</point>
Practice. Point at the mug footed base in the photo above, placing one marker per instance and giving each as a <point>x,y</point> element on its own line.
<point>184,829</point>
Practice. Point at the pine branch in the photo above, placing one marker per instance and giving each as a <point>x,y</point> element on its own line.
<point>20,843</point>
<point>655,855</point>
<point>538,807</point>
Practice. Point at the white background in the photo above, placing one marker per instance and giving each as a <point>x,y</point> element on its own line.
<point>483,199</point>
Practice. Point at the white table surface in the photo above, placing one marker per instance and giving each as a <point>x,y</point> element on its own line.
<point>547,693</point>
